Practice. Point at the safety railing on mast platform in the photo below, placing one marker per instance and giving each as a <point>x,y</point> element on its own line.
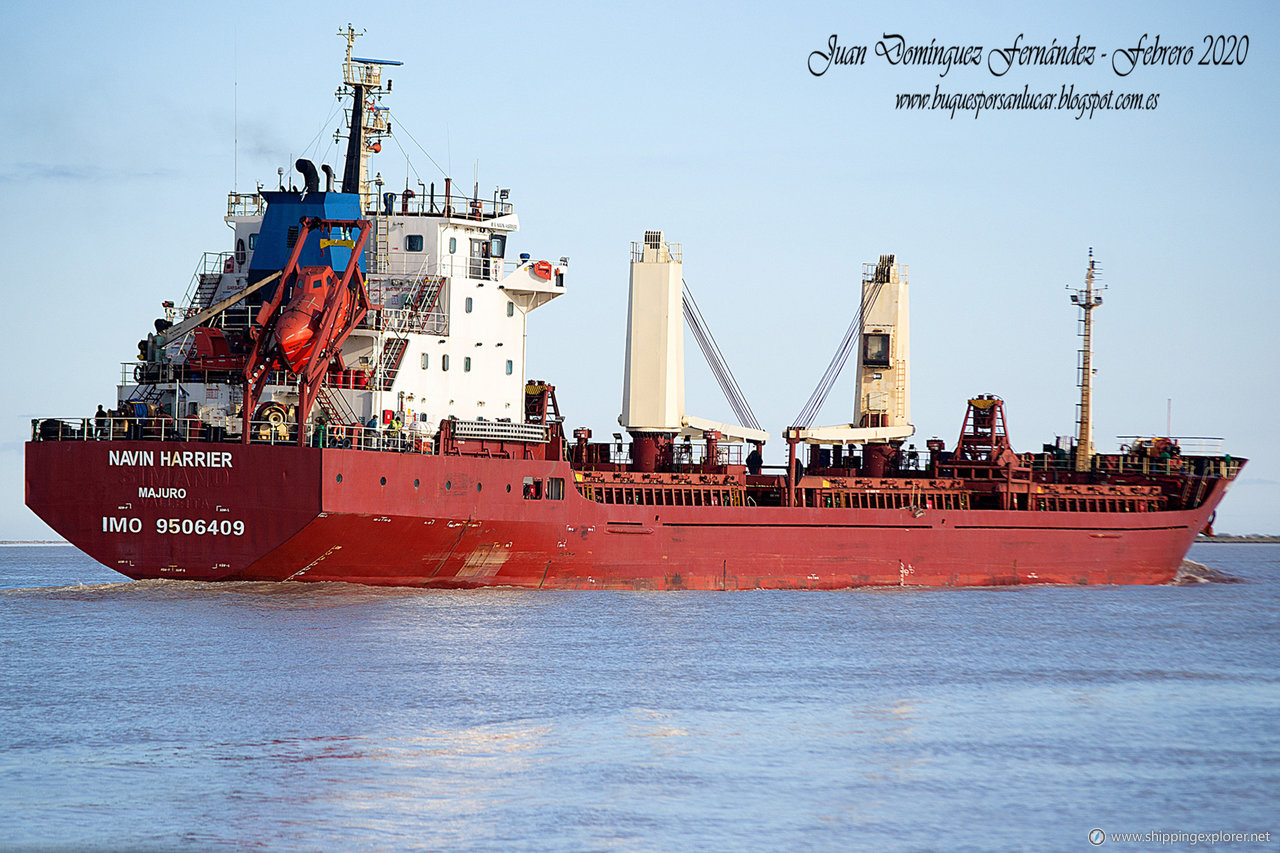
<point>245,204</point>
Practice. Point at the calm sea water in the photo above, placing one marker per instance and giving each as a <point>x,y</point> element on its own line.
<point>175,715</point>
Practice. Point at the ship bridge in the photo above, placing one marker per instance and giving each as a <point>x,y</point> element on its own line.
<point>449,294</point>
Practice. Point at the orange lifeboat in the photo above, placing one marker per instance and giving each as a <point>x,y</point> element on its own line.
<point>299,323</point>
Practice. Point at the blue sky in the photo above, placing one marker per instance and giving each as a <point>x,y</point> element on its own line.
<point>120,143</point>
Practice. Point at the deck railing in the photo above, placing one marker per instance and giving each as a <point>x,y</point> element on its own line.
<point>437,204</point>
<point>1130,464</point>
<point>163,429</point>
<point>408,439</point>
<point>245,204</point>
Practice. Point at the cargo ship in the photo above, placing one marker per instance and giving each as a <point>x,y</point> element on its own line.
<point>342,396</point>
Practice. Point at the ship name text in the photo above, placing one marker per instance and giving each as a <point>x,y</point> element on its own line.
<point>168,459</point>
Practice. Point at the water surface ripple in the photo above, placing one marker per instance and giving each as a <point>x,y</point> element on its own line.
<point>173,715</point>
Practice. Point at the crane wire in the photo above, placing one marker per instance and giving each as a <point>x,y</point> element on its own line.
<point>819,396</point>
<point>715,359</point>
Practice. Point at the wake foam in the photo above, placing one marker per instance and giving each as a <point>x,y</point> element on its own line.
<point>1192,572</point>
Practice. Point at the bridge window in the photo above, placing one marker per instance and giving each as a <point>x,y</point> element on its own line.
<point>444,362</point>
<point>510,367</point>
<point>413,243</point>
<point>468,304</point>
<point>875,350</point>
<point>466,364</point>
<point>511,309</point>
<point>424,361</point>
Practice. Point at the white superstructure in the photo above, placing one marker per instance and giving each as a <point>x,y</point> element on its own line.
<point>443,339</point>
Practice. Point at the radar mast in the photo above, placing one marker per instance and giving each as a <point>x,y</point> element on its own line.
<point>1087,298</point>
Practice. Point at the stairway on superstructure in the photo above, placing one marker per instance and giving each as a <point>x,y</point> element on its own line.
<point>335,406</point>
<point>389,364</point>
<point>204,293</point>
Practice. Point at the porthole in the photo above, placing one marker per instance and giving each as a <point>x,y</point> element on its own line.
<point>339,478</point>
<point>415,484</point>
<point>384,481</point>
<point>479,486</point>
<point>508,485</point>
<point>448,484</point>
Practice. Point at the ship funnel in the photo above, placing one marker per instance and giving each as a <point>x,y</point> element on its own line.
<point>310,179</point>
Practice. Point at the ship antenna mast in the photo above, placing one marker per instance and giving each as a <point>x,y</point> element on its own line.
<point>362,80</point>
<point>1087,298</point>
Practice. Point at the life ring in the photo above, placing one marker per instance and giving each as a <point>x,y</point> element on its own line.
<point>542,269</point>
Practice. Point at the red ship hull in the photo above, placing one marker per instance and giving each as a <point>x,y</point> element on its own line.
<point>259,512</point>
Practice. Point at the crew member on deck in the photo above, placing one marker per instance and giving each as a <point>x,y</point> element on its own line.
<point>754,460</point>
<point>100,422</point>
